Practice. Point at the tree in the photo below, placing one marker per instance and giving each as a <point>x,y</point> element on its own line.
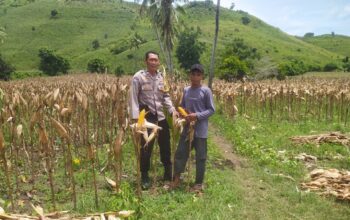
<point>163,16</point>
<point>97,66</point>
<point>5,69</point>
<point>189,49</point>
<point>242,50</point>
<point>135,41</point>
<point>212,59</point>
<point>232,68</point>
<point>51,63</point>
<point>309,34</point>
<point>245,53</point>
<point>232,6</point>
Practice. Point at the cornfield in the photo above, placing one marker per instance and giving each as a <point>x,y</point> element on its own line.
<point>294,100</point>
<point>50,126</point>
<point>49,122</point>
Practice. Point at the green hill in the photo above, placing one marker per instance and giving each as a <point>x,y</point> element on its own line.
<point>336,43</point>
<point>30,26</point>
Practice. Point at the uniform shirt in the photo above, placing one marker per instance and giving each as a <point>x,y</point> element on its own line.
<point>199,100</point>
<point>148,90</point>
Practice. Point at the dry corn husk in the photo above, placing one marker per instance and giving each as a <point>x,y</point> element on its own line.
<point>55,94</point>
<point>111,182</point>
<point>332,137</point>
<point>64,111</point>
<point>19,130</point>
<point>60,129</point>
<point>329,182</point>
<point>43,138</point>
<point>2,141</point>
<point>141,127</point>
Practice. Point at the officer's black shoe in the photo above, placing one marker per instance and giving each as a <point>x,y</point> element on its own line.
<point>145,182</point>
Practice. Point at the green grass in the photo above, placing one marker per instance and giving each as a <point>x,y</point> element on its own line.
<point>337,43</point>
<point>330,75</point>
<point>274,197</point>
<point>29,28</point>
<point>249,192</point>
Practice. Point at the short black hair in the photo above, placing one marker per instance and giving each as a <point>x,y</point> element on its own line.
<point>197,67</point>
<point>150,52</point>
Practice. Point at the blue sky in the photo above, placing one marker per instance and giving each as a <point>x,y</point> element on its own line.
<point>297,17</point>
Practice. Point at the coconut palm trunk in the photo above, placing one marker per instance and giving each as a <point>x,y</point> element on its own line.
<point>212,59</point>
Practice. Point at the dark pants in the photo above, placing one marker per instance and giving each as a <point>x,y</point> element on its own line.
<point>163,139</point>
<point>182,153</point>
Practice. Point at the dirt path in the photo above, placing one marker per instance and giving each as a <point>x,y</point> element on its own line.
<point>225,147</point>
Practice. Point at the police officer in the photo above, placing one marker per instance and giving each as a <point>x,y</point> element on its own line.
<point>147,92</point>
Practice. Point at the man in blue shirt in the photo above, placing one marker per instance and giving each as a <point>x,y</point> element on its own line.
<point>198,102</point>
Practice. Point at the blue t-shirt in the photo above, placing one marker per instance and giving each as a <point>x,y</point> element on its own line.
<point>199,100</point>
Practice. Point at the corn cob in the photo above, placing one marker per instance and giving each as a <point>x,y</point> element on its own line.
<point>182,111</point>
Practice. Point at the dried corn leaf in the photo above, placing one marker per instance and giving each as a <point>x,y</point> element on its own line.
<point>329,182</point>
<point>111,182</point>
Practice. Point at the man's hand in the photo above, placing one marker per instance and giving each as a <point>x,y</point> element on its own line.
<point>191,117</point>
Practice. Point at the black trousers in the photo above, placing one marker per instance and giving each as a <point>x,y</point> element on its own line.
<point>163,139</point>
<point>182,153</point>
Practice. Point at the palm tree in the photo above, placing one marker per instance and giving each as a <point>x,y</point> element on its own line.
<point>163,17</point>
<point>212,59</point>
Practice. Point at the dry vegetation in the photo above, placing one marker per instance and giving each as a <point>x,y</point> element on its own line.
<point>300,99</point>
<point>63,121</point>
<point>60,120</point>
<point>51,125</point>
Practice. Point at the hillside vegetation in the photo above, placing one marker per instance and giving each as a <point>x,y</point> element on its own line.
<point>71,32</point>
<point>336,43</point>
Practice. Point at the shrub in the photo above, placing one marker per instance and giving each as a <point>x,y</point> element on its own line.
<point>51,63</point>
<point>97,66</point>
<point>315,68</point>
<point>23,75</point>
<point>95,44</point>
<point>5,69</point>
<point>119,71</point>
<point>119,49</point>
<point>293,68</point>
<point>280,76</point>
<point>330,67</point>
<point>245,20</point>
<point>346,67</point>
<point>54,13</point>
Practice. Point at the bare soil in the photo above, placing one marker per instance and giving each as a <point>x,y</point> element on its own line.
<point>226,148</point>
